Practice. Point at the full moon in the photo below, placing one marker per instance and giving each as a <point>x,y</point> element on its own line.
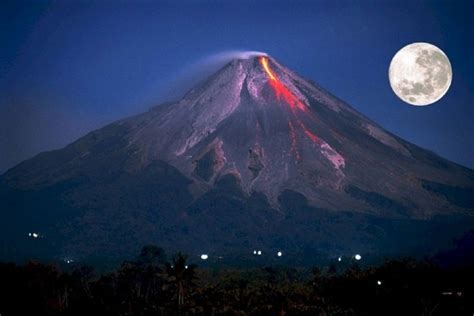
<point>420,74</point>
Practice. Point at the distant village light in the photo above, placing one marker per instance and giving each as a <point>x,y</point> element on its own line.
<point>449,293</point>
<point>379,282</point>
<point>204,256</point>
<point>259,252</point>
<point>279,253</point>
<point>339,259</point>
<point>358,257</point>
<point>255,252</point>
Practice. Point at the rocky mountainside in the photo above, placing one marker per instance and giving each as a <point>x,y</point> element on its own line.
<point>254,156</point>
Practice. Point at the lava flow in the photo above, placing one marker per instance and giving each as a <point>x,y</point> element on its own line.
<point>280,89</point>
<point>283,92</point>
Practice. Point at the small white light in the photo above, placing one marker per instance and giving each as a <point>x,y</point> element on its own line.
<point>34,235</point>
<point>259,252</point>
<point>255,252</point>
<point>29,234</point>
<point>358,257</point>
<point>185,267</point>
<point>339,259</point>
<point>279,253</point>
<point>379,282</point>
<point>204,256</point>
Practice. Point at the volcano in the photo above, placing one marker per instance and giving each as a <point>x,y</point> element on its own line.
<point>253,157</point>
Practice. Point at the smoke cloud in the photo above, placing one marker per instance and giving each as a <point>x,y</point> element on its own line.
<point>190,75</point>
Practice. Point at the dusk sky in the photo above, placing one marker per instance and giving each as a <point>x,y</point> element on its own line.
<point>68,67</point>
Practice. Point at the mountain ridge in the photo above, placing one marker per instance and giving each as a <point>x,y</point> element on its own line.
<point>251,137</point>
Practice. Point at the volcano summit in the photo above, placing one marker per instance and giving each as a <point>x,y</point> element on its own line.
<point>254,156</point>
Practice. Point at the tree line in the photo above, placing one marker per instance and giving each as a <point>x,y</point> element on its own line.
<point>153,285</point>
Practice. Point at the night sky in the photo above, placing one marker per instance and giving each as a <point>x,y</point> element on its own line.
<point>68,67</point>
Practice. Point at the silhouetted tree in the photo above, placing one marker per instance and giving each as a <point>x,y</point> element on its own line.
<point>181,275</point>
<point>146,286</point>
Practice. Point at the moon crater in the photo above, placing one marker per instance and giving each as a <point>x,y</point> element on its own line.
<point>420,74</point>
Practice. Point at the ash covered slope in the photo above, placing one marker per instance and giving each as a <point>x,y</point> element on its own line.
<point>262,123</point>
<point>253,131</point>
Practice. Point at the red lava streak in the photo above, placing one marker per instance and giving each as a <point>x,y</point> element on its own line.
<point>310,135</point>
<point>281,90</point>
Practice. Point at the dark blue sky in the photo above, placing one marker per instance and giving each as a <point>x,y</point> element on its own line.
<point>67,67</point>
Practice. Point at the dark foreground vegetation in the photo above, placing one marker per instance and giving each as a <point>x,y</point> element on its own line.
<point>151,285</point>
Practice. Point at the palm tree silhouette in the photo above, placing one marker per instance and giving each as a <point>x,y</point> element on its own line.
<point>181,276</point>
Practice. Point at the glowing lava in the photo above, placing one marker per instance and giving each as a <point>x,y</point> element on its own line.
<point>314,138</point>
<point>281,90</point>
<point>264,62</point>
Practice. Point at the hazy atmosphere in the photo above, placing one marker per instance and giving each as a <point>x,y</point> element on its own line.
<point>67,68</point>
<point>250,158</point>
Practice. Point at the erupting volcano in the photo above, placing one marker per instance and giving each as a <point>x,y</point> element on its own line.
<point>254,155</point>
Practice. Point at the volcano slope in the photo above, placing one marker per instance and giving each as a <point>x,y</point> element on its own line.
<point>253,157</point>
